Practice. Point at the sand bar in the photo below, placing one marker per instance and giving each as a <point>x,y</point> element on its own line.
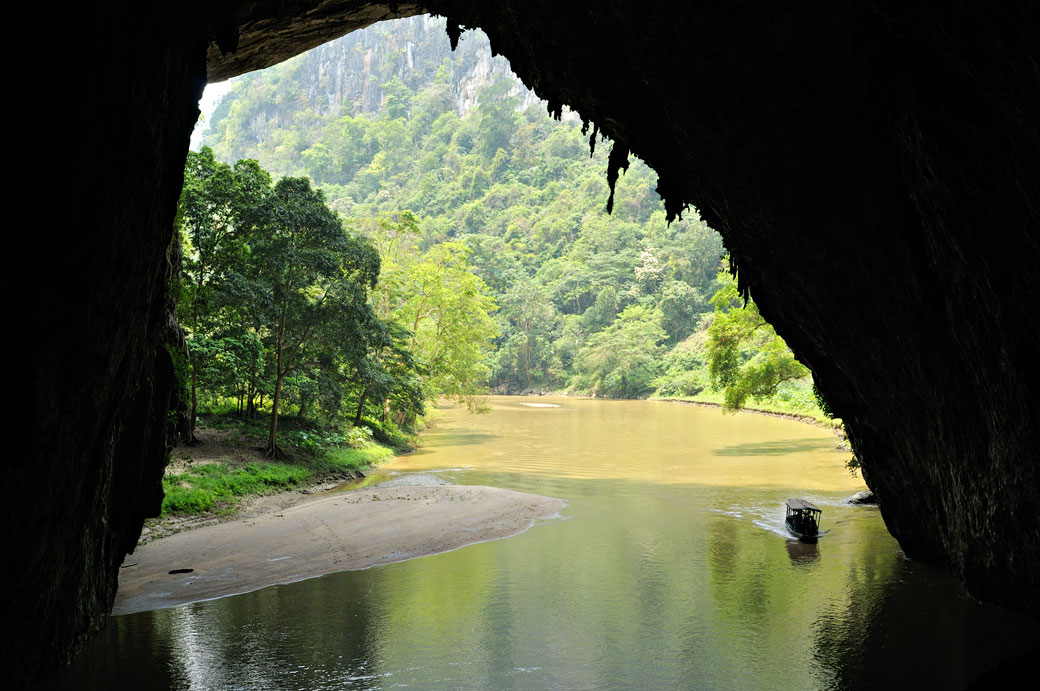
<point>335,532</point>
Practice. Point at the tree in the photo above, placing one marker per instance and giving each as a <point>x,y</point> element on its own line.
<point>394,237</point>
<point>531,319</point>
<point>680,305</point>
<point>499,120</point>
<point>216,215</point>
<point>317,277</point>
<point>390,376</point>
<point>746,357</point>
<point>447,308</point>
<point>622,360</point>
<point>397,98</point>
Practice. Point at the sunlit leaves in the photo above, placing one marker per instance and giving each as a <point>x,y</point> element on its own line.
<point>622,360</point>
<point>746,358</point>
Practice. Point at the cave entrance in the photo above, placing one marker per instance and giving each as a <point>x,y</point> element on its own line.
<point>447,163</point>
<point>500,271</point>
<point>919,129</point>
<point>483,173</point>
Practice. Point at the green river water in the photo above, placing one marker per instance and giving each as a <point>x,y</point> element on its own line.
<point>669,568</point>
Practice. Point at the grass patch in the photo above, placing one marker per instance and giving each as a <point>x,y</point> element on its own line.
<point>310,455</point>
<point>346,459</point>
<point>217,486</point>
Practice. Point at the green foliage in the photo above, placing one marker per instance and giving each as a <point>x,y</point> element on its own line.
<point>211,486</point>
<point>347,459</point>
<point>498,120</point>
<point>275,293</point>
<point>746,357</point>
<point>822,404</point>
<point>683,371</point>
<point>317,453</point>
<point>623,360</point>
<point>216,217</point>
<point>389,434</point>
<point>396,99</point>
<point>315,280</point>
<point>506,273</point>
<point>531,318</point>
<point>444,307</point>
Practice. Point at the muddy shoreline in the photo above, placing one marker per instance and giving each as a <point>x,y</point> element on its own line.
<point>337,531</point>
<point>838,430</point>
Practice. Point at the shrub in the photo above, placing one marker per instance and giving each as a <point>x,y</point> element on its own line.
<point>388,433</point>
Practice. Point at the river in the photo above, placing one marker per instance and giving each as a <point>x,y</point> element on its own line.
<point>669,568</point>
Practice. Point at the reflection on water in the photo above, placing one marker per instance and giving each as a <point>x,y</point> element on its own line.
<point>803,553</point>
<point>455,439</point>
<point>670,569</point>
<point>782,447</point>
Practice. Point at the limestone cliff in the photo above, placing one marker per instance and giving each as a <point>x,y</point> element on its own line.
<point>346,77</point>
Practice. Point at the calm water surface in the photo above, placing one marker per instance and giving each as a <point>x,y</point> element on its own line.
<point>669,568</point>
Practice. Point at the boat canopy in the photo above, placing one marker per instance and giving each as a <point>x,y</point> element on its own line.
<point>801,505</point>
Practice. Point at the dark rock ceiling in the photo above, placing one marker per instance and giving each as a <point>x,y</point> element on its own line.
<point>872,167</point>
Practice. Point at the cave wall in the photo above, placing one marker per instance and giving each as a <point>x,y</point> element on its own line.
<point>872,169</point>
<point>107,158</point>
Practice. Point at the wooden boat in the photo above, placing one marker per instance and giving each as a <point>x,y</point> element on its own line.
<point>803,520</point>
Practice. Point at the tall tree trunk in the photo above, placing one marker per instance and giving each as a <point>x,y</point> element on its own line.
<point>279,373</point>
<point>360,407</point>
<point>272,439</point>
<point>194,403</point>
<point>251,394</point>
<point>194,362</point>
<point>527,357</point>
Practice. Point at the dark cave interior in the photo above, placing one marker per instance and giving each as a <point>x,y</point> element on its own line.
<point>873,169</point>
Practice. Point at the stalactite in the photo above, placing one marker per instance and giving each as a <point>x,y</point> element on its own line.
<point>617,161</point>
<point>454,29</point>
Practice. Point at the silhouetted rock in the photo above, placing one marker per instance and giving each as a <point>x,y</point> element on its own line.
<point>864,497</point>
<point>871,167</point>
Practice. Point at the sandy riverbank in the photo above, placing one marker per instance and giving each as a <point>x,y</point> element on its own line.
<point>334,532</point>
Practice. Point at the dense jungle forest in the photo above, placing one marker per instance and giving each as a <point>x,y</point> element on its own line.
<point>381,221</point>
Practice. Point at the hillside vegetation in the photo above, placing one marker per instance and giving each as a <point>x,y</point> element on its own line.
<point>500,269</point>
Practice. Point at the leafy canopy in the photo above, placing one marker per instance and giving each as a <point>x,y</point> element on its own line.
<point>746,357</point>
